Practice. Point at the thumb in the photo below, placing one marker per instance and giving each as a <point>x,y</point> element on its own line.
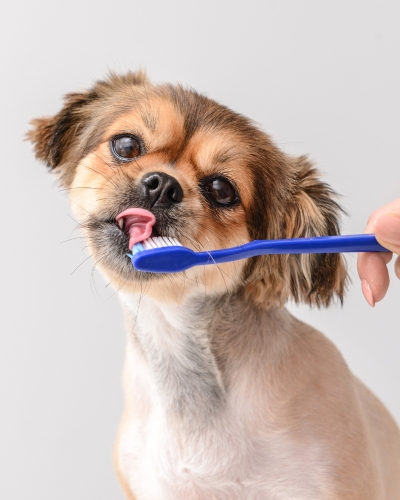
<point>387,231</point>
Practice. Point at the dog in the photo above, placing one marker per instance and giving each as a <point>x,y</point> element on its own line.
<point>227,395</point>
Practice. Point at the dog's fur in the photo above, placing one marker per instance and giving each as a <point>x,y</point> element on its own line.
<point>227,395</point>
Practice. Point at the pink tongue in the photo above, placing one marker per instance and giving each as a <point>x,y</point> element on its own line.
<point>138,223</point>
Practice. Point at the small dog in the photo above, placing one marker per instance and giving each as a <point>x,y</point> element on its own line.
<point>227,395</point>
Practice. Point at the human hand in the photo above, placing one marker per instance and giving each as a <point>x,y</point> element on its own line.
<point>372,267</point>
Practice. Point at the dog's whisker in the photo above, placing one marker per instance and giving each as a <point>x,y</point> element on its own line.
<point>92,281</point>
<point>87,258</point>
<point>142,293</point>
<point>102,174</point>
<point>84,209</point>
<point>183,288</point>
<point>114,168</point>
<point>72,239</point>
<point>118,289</point>
<point>77,187</point>
<point>200,247</point>
<point>76,222</point>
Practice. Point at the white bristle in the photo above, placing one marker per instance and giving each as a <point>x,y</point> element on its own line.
<point>160,242</point>
<point>146,244</point>
<point>153,242</point>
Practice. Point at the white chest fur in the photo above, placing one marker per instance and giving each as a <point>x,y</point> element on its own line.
<point>188,432</point>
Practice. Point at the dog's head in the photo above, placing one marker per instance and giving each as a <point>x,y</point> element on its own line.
<point>211,178</point>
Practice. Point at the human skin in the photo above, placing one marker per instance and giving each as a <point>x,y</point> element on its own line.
<point>372,267</point>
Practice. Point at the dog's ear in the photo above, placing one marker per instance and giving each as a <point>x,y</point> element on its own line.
<point>54,137</point>
<point>309,210</point>
<point>313,211</point>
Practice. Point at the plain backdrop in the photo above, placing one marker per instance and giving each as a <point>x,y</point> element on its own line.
<point>322,78</point>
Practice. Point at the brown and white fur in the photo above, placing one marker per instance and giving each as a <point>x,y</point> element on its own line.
<point>227,395</point>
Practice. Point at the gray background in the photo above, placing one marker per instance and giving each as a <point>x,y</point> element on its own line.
<point>321,77</point>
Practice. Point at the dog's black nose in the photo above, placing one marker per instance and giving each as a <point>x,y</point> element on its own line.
<point>161,190</point>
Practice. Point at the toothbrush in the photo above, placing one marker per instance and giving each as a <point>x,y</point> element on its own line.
<point>167,255</point>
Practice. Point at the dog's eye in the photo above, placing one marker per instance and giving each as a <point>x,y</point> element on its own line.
<point>220,191</point>
<point>126,147</point>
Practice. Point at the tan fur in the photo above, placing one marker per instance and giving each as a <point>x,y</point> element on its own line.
<point>227,396</point>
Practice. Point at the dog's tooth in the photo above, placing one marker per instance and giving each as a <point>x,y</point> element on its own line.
<point>121,223</point>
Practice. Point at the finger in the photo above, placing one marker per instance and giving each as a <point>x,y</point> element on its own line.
<point>374,275</point>
<point>387,232</point>
<point>392,208</point>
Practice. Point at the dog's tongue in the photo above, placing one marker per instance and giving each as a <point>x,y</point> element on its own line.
<point>138,223</point>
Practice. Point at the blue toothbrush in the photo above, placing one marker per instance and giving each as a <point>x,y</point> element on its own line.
<point>167,255</point>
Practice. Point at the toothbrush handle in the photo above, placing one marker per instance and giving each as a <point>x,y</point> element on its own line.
<point>331,244</point>
<point>319,244</point>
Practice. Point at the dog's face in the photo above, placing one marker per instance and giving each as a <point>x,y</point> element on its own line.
<point>209,176</point>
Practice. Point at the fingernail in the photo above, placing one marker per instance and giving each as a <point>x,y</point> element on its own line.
<point>366,289</point>
<point>388,229</point>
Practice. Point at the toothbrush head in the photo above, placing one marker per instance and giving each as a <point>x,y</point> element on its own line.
<point>156,242</point>
<point>162,255</point>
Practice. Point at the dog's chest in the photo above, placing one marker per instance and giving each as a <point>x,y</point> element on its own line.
<point>225,461</point>
<point>185,437</point>
<point>222,465</point>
